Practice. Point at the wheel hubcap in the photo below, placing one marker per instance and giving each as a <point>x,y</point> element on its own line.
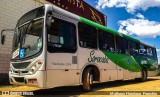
<point>91,78</point>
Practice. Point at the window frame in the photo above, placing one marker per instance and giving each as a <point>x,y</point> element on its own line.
<point>149,48</point>
<point>117,45</point>
<point>154,53</point>
<point>75,38</point>
<point>108,42</point>
<point>144,47</point>
<point>132,48</point>
<point>79,41</point>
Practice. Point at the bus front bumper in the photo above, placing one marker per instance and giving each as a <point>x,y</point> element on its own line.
<point>36,79</point>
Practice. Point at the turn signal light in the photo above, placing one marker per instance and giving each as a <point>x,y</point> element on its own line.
<point>39,62</point>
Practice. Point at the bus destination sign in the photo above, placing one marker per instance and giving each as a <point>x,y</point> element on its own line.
<point>81,8</point>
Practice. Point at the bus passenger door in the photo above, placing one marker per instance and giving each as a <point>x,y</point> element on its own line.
<point>62,53</point>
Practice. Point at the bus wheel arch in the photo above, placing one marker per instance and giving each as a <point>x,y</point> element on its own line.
<point>89,74</point>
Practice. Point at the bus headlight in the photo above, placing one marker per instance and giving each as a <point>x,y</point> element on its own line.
<point>36,66</point>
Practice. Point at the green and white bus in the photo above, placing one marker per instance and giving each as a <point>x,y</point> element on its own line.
<point>53,47</point>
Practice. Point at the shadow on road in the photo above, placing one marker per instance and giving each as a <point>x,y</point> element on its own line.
<point>73,91</point>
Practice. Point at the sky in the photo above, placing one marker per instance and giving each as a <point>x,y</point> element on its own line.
<point>137,18</point>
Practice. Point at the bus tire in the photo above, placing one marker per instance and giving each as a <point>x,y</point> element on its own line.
<point>87,79</point>
<point>144,75</point>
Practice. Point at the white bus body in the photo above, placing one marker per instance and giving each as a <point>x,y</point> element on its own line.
<point>53,69</point>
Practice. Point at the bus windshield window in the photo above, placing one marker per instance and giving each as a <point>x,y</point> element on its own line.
<point>61,36</point>
<point>28,39</point>
<point>36,13</point>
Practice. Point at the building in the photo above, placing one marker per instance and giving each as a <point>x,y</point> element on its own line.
<point>10,12</point>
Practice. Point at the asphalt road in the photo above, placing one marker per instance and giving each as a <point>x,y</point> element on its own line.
<point>127,88</point>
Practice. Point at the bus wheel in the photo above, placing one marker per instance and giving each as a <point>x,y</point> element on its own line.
<point>87,79</point>
<point>144,75</point>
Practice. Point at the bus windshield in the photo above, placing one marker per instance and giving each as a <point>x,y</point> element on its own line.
<point>28,39</point>
<point>28,34</point>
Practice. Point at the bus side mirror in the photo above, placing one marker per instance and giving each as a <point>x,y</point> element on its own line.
<point>3,38</point>
<point>49,22</point>
<point>49,19</point>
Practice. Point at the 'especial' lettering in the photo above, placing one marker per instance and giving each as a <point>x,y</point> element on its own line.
<point>97,59</point>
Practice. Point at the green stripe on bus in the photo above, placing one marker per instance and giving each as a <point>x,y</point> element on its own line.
<point>131,63</point>
<point>125,61</point>
<point>130,38</point>
<point>96,25</point>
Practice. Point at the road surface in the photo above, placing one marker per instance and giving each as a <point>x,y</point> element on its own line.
<point>127,88</point>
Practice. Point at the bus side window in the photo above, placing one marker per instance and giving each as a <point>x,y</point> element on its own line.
<point>133,48</point>
<point>122,45</point>
<point>106,41</point>
<point>61,37</point>
<point>87,36</point>
<point>142,50</point>
<point>149,52</point>
<point>154,53</point>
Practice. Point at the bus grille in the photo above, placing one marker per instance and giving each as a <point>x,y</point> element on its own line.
<point>21,71</point>
<point>20,65</point>
<point>19,79</point>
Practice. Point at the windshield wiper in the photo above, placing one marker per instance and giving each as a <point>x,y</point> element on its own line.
<point>23,31</point>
